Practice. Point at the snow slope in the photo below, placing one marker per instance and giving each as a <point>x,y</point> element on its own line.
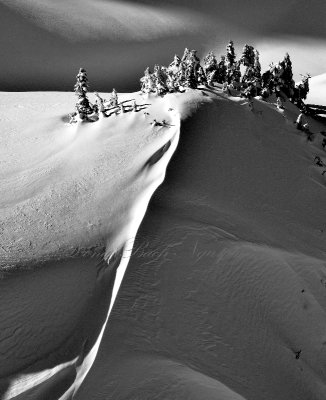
<point>72,198</point>
<point>224,296</point>
<point>317,90</point>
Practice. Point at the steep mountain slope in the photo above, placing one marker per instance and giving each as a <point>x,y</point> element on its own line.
<point>71,200</point>
<point>224,296</point>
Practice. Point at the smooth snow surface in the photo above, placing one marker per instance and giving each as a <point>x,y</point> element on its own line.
<point>72,198</point>
<point>317,90</point>
<point>224,295</point>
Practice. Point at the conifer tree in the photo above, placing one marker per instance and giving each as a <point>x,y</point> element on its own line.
<point>171,81</point>
<point>190,77</point>
<point>160,77</point>
<point>193,63</point>
<point>210,67</point>
<point>201,77</point>
<point>236,76</point>
<point>100,102</point>
<point>147,83</point>
<point>221,70</point>
<point>83,106</point>
<point>189,69</point>
<point>257,66</point>
<point>210,62</point>
<point>249,75</point>
<point>185,55</point>
<point>304,86</point>
<point>248,56</point>
<point>81,86</point>
<point>287,76</point>
<point>230,55</point>
<point>181,75</point>
<point>193,60</point>
<point>175,64</point>
<point>230,61</point>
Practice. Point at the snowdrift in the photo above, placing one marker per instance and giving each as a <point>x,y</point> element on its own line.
<point>317,90</point>
<point>71,200</point>
<point>224,296</point>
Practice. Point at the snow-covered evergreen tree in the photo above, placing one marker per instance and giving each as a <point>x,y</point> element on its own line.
<point>190,66</point>
<point>303,87</point>
<point>287,65</point>
<point>248,76</point>
<point>248,56</point>
<point>221,70</point>
<point>180,77</point>
<point>81,86</point>
<point>287,76</point>
<point>252,74</point>
<point>100,103</point>
<point>147,82</point>
<point>185,55</point>
<point>268,82</point>
<point>230,54</point>
<point>172,81</point>
<point>190,77</point>
<point>235,78</point>
<point>257,66</point>
<point>83,106</point>
<point>160,77</point>
<point>210,67</point>
<point>175,64</point>
<point>193,60</point>
<point>230,61</point>
<point>201,76</point>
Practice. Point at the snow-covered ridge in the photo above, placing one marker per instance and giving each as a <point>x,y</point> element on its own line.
<point>224,296</point>
<point>72,196</point>
<point>226,207</point>
<point>243,74</point>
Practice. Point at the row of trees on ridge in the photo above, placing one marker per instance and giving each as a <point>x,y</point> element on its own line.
<point>183,73</point>
<point>243,74</point>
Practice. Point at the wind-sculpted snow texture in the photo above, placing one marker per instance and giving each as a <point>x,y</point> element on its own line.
<point>72,198</point>
<point>224,296</point>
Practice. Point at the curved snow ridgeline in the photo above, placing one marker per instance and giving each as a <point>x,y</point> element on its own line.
<point>72,197</point>
<point>224,295</point>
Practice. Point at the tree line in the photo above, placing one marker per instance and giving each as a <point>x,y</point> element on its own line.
<point>187,72</point>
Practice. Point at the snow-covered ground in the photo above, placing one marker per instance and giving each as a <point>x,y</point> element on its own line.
<point>224,295</point>
<point>72,197</point>
<point>317,90</point>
